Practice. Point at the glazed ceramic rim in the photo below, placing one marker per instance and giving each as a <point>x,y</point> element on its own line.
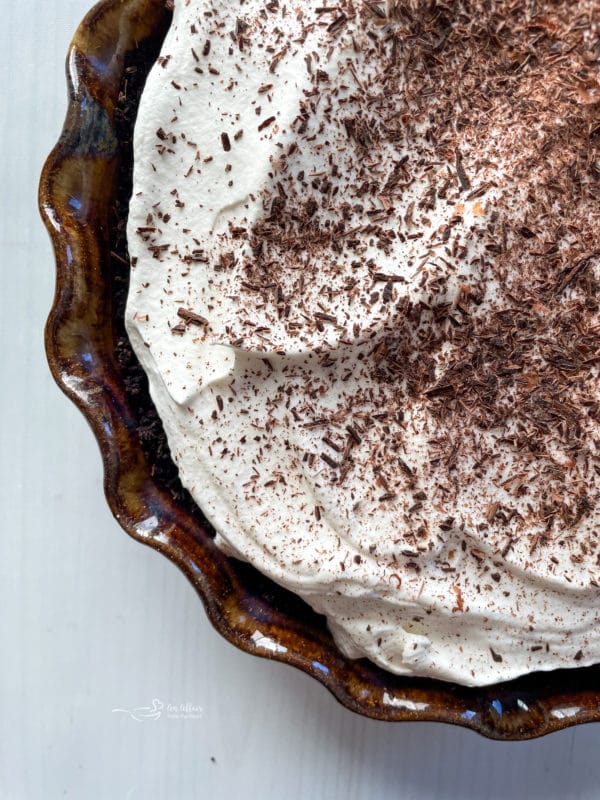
<point>78,341</point>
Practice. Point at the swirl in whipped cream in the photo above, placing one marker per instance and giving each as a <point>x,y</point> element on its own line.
<point>364,284</point>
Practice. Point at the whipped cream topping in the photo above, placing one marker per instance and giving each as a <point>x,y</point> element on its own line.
<point>364,287</point>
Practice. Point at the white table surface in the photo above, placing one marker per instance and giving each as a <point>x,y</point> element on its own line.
<point>91,621</point>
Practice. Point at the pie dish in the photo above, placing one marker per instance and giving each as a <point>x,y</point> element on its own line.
<point>83,195</point>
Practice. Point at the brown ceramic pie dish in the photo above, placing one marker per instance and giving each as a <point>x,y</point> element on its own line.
<point>83,199</point>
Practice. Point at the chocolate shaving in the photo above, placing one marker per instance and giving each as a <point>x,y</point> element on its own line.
<point>191,317</point>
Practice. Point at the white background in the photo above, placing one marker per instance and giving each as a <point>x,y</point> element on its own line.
<point>91,620</point>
